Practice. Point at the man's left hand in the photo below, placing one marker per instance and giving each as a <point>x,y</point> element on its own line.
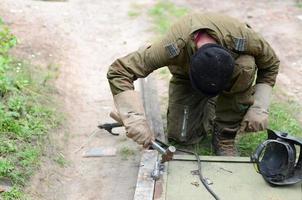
<point>256,119</point>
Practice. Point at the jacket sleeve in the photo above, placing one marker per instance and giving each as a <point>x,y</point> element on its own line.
<point>266,60</point>
<point>125,70</point>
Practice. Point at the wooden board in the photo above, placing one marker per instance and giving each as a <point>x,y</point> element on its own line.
<point>145,183</point>
<point>230,181</point>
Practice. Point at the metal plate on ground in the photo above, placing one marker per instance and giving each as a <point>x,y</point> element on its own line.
<point>230,181</point>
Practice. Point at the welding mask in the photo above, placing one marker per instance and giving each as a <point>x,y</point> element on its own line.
<point>279,159</point>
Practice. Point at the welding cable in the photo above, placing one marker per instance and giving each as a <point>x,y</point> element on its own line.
<point>199,167</point>
<point>200,173</point>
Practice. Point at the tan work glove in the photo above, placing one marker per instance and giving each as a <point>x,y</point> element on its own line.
<point>256,118</point>
<point>131,112</point>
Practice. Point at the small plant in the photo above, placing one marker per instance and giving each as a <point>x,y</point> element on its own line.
<point>126,152</point>
<point>14,194</point>
<point>299,3</point>
<point>164,13</point>
<point>133,13</point>
<point>26,115</point>
<point>135,10</point>
<point>60,160</point>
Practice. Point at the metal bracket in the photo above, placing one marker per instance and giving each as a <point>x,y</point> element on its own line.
<point>158,170</point>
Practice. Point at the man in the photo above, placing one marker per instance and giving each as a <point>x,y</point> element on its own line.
<point>223,74</point>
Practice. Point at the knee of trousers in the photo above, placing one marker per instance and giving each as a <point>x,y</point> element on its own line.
<point>189,114</point>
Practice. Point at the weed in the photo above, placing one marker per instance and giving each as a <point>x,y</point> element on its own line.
<point>60,160</point>
<point>126,152</point>
<point>164,13</point>
<point>135,10</point>
<point>14,194</point>
<point>26,115</point>
<point>133,14</point>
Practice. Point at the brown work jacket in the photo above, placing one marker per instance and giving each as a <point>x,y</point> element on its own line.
<point>177,46</point>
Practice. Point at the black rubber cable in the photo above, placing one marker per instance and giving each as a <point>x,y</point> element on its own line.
<point>199,168</point>
<point>200,173</point>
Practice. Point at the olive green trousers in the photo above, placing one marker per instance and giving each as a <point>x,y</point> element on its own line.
<point>192,115</point>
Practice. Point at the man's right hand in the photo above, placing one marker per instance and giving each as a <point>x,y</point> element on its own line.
<point>131,113</point>
<point>138,130</point>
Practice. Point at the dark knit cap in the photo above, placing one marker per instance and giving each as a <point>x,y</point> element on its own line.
<point>211,69</point>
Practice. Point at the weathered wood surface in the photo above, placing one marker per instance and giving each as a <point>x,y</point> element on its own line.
<point>145,183</point>
<point>230,181</point>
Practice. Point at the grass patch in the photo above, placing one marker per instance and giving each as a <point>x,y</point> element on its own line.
<point>164,13</point>
<point>126,152</point>
<point>14,194</point>
<point>26,114</point>
<point>60,160</point>
<point>135,10</point>
<point>133,14</point>
<point>282,118</point>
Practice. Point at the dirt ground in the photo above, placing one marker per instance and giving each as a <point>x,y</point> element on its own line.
<point>83,38</point>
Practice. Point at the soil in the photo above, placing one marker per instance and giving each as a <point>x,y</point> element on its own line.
<point>83,38</point>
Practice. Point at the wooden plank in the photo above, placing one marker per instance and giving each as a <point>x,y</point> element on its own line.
<point>230,181</point>
<point>145,183</point>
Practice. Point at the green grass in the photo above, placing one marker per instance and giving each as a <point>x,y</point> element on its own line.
<point>164,13</point>
<point>60,160</point>
<point>135,10</point>
<point>282,114</point>
<point>14,194</point>
<point>133,13</point>
<point>26,115</point>
<point>282,118</point>
<point>126,152</point>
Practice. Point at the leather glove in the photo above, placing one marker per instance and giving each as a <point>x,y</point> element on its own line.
<point>256,118</point>
<point>131,112</point>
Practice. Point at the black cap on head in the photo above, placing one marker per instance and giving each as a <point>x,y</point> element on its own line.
<point>211,69</point>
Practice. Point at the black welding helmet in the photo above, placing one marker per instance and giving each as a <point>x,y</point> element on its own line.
<point>279,159</point>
